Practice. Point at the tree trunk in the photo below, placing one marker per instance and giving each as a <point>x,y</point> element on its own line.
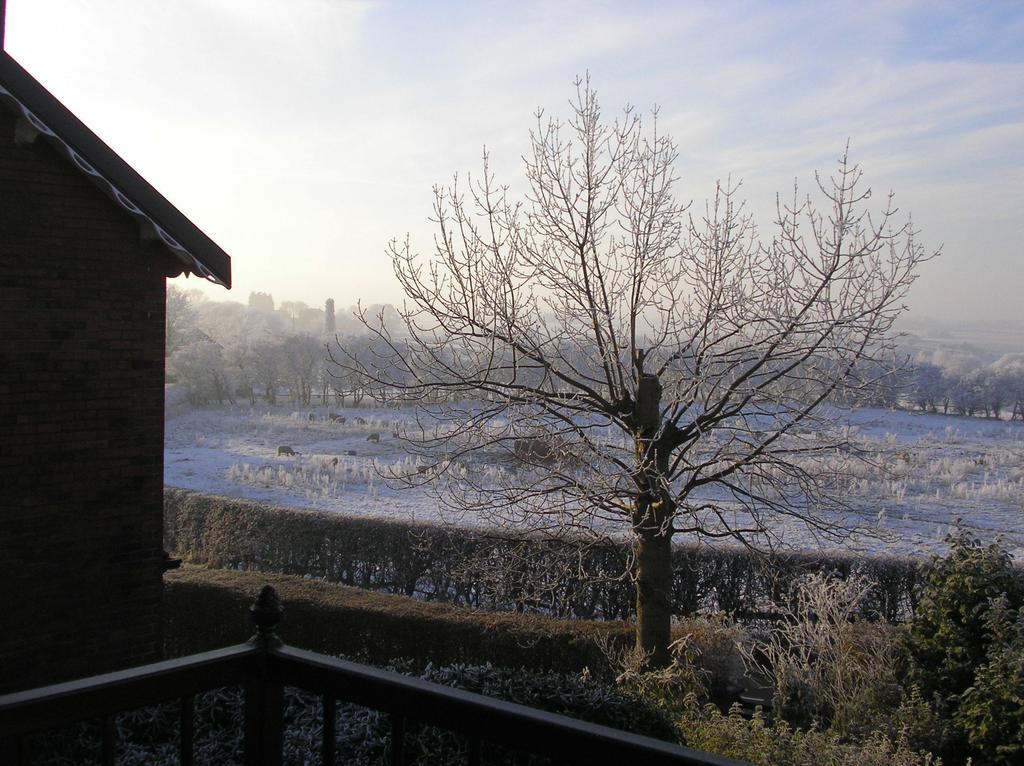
<point>652,527</point>
<point>654,597</point>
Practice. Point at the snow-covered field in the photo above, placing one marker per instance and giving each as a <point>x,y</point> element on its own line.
<point>939,468</point>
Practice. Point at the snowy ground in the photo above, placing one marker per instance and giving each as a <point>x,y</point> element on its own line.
<point>940,468</point>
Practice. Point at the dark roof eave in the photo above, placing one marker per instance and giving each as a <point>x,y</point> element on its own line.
<point>89,154</point>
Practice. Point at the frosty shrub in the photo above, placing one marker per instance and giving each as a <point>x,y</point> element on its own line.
<point>713,645</point>
<point>769,744</point>
<point>707,661</point>
<point>826,666</point>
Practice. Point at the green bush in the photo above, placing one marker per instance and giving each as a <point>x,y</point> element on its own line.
<point>962,650</point>
<point>917,723</point>
<point>769,744</point>
<point>991,711</point>
<point>948,639</point>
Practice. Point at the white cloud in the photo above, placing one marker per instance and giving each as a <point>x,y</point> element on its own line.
<point>303,135</point>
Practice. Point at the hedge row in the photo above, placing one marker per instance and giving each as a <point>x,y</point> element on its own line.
<point>209,608</point>
<point>474,568</point>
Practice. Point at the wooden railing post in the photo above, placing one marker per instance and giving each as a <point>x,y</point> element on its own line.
<point>264,699</point>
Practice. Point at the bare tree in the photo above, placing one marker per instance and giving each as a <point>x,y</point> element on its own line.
<point>302,356</point>
<point>1009,368</point>
<point>201,368</point>
<point>180,319</point>
<point>634,369</point>
<point>928,387</point>
<point>241,358</point>
<point>267,366</point>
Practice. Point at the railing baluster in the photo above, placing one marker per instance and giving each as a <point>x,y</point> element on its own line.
<point>264,723</point>
<point>397,740</point>
<point>187,728</point>
<point>327,745</point>
<point>109,741</point>
<point>474,750</point>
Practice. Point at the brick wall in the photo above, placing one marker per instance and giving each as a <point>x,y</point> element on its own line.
<point>81,424</point>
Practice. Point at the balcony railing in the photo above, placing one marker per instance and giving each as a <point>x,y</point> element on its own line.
<point>264,666</point>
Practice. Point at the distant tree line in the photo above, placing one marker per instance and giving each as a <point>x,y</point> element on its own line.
<point>991,391</point>
<point>224,352</point>
<point>978,389</point>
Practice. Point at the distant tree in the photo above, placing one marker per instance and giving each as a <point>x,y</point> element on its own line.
<point>967,394</point>
<point>298,318</point>
<point>242,360</point>
<point>223,321</point>
<point>267,366</point>
<point>995,391</point>
<point>261,302</point>
<point>260,325</point>
<point>303,356</point>
<point>290,312</point>
<point>928,387</point>
<point>201,368</point>
<point>1009,370</point>
<point>959,359</point>
<point>348,381</point>
<point>884,383</point>
<point>644,370</point>
<point>330,325</point>
<point>181,319</point>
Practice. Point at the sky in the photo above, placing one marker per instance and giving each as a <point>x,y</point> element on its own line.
<point>304,135</point>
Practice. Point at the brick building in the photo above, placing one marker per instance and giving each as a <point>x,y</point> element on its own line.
<point>86,245</point>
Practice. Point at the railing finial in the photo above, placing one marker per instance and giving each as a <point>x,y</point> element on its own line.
<point>266,613</point>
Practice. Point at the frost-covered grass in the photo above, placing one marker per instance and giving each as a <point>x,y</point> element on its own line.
<point>932,470</point>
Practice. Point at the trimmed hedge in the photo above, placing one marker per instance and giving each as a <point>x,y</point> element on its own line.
<point>209,608</point>
<point>474,568</point>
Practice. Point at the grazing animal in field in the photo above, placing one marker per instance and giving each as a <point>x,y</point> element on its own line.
<point>361,421</point>
<point>336,418</point>
<point>351,452</point>
<point>334,462</point>
<point>284,449</point>
<point>374,437</point>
